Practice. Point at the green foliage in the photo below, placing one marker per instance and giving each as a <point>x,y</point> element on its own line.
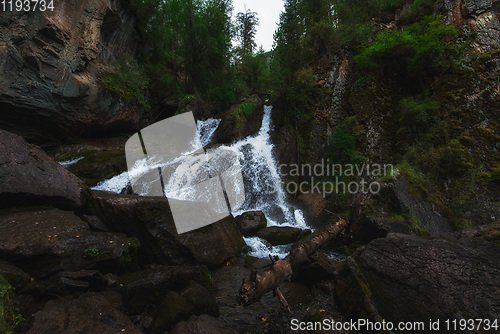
<point>244,110</point>
<point>343,145</point>
<point>417,10</point>
<point>130,258</point>
<point>426,46</point>
<point>11,320</point>
<point>185,47</point>
<point>133,242</point>
<point>354,19</point>
<point>254,72</point>
<point>91,252</point>
<point>362,83</point>
<point>417,116</point>
<point>246,28</point>
<point>128,80</point>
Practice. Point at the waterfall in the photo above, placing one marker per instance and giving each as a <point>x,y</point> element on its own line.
<point>206,130</point>
<point>262,182</point>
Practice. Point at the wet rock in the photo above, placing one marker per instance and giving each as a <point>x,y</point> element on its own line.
<point>279,235</point>
<point>204,324</point>
<point>320,268</point>
<point>44,241</point>
<point>60,56</point>
<point>15,276</point>
<point>192,300</point>
<point>29,176</point>
<point>149,286</point>
<point>90,313</point>
<point>251,222</point>
<point>353,294</point>
<point>234,125</point>
<point>369,228</point>
<point>174,308</point>
<point>427,216</point>
<point>413,278</point>
<point>150,219</point>
<point>313,205</point>
<point>201,298</point>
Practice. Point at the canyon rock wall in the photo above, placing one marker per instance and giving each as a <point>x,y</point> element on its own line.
<point>50,65</point>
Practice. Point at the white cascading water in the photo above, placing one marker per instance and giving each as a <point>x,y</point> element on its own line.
<point>262,182</point>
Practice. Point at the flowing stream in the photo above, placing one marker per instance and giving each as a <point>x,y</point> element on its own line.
<point>262,182</point>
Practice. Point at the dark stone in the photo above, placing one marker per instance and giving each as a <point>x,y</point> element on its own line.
<point>352,292</point>
<point>204,324</point>
<point>233,128</point>
<point>251,222</point>
<point>367,229</point>
<point>174,308</point>
<point>414,278</point>
<point>90,313</point>
<point>279,235</point>
<point>192,300</point>
<point>320,268</point>
<point>15,276</point>
<point>428,216</point>
<point>44,241</point>
<point>29,176</point>
<point>150,219</point>
<point>201,298</point>
<point>50,66</point>
<point>314,206</point>
<point>149,286</point>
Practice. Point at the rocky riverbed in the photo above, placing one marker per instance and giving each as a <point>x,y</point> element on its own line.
<point>81,261</point>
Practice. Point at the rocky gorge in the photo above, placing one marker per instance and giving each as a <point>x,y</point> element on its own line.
<point>78,260</point>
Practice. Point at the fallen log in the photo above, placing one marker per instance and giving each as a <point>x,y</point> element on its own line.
<point>253,288</point>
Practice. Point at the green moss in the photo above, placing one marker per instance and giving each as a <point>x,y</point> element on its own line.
<point>128,81</point>
<point>91,252</point>
<point>243,112</point>
<point>263,221</point>
<point>11,320</point>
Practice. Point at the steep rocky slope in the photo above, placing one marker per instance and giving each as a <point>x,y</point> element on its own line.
<point>50,65</point>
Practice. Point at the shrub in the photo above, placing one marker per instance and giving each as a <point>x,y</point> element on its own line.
<point>418,115</point>
<point>343,145</point>
<point>422,47</point>
<point>11,321</point>
<point>128,80</point>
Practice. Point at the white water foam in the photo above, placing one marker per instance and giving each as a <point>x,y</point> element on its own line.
<point>68,163</point>
<point>206,129</point>
<point>262,249</point>
<point>261,180</point>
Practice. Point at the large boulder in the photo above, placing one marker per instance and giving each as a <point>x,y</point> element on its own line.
<point>415,279</point>
<point>90,313</point>
<point>204,324</point>
<point>14,275</point>
<point>150,219</point>
<point>44,241</point>
<point>29,176</point>
<point>251,222</point>
<point>280,235</point>
<point>193,299</point>
<point>236,124</point>
<point>149,286</point>
<point>51,63</point>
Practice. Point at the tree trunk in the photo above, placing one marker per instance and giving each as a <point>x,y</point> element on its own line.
<point>258,284</point>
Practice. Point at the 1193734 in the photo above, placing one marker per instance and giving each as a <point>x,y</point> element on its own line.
<point>26,5</point>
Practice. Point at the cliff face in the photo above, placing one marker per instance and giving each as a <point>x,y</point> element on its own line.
<point>50,64</point>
